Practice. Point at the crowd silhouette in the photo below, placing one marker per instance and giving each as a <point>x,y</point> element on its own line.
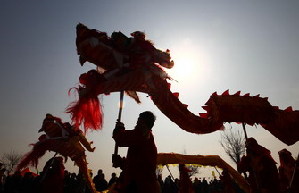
<point>264,175</point>
<point>75,183</point>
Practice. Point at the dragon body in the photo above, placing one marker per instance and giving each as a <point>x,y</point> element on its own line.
<point>136,66</point>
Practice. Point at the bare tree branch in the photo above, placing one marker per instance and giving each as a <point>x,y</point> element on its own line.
<point>233,144</point>
<point>10,160</point>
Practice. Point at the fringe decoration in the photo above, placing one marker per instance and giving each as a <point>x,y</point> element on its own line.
<point>32,157</point>
<point>87,111</point>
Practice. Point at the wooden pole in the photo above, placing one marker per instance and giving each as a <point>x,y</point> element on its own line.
<point>246,137</point>
<point>243,124</point>
<point>121,100</point>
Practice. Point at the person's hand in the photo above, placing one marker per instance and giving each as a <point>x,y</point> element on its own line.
<point>118,126</point>
<point>118,161</point>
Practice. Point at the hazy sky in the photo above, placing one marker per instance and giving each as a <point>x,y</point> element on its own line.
<point>251,46</point>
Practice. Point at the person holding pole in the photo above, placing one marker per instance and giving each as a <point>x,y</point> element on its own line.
<point>138,175</point>
<point>263,173</point>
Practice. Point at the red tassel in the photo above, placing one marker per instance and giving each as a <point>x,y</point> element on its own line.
<point>86,111</point>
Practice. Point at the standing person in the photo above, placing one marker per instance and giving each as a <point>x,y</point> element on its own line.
<point>113,179</point>
<point>169,185</point>
<point>286,169</point>
<point>263,173</point>
<point>227,182</point>
<point>100,182</point>
<point>52,178</point>
<point>140,164</point>
<point>185,183</point>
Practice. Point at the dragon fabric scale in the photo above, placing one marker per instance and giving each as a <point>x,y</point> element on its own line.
<point>135,65</point>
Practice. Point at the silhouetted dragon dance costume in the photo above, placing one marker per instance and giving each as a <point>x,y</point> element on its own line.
<point>64,139</point>
<point>135,65</point>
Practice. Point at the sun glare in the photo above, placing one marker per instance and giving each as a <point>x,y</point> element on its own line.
<point>187,63</point>
<point>183,68</point>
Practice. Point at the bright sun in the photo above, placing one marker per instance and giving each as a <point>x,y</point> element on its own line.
<point>187,63</point>
<point>183,67</point>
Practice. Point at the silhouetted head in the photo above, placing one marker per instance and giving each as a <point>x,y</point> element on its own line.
<point>285,157</point>
<point>147,118</point>
<point>251,142</point>
<point>100,171</point>
<point>252,147</point>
